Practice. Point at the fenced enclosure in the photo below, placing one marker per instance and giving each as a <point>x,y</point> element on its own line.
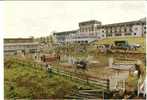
<point>93,82</point>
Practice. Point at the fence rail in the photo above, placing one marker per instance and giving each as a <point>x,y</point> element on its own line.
<point>92,81</point>
<point>88,80</point>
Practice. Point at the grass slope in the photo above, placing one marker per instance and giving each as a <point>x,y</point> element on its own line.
<point>131,40</point>
<point>34,83</point>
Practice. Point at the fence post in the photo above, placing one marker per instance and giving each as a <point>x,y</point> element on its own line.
<point>110,62</point>
<point>108,84</point>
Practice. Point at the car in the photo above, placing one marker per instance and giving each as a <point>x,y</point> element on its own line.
<point>124,46</point>
<point>136,45</point>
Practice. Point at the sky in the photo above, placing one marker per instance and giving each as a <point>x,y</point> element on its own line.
<point>42,18</point>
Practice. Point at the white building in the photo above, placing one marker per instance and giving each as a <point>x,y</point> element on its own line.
<point>89,27</point>
<point>80,38</point>
<point>62,37</point>
<point>94,30</point>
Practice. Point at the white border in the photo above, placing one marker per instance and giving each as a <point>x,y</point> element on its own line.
<point>1,50</point>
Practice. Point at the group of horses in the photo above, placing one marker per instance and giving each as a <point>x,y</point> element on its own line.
<point>80,64</point>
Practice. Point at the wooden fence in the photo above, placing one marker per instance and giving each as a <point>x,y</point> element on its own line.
<point>94,82</point>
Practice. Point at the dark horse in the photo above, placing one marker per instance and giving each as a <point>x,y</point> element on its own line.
<point>81,65</point>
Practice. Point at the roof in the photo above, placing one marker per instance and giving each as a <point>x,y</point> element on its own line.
<point>89,22</point>
<point>13,44</point>
<point>66,32</point>
<point>18,40</point>
<point>143,19</point>
<point>122,23</point>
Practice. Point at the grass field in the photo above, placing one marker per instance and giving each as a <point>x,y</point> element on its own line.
<point>30,82</point>
<point>131,40</point>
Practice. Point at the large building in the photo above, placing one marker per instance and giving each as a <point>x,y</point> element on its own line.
<point>13,46</point>
<point>62,37</point>
<point>89,27</point>
<point>132,28</point>
<point>92,30</point>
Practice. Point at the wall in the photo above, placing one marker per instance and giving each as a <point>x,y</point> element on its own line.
<point>137,29</point>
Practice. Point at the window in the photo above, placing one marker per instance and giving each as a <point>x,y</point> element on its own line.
<point>125,30</point>
<point>137,24</point>
<point>32,50</point>
<point>89,29</point>
<point>109,35</point>
<point>111,31</point>
<point>92,28</point>
<point>136,28</point>
<point>118,34</point>
<point>127,33</point>
<point>85,29</point>
<point>106,31</point>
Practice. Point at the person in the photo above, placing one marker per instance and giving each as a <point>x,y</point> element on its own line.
<point>59,57</point>
<point>49,68</point>
<point>46,65</point>
<point>137,67</point>
<point>35,57</point>
<point>43,58</point>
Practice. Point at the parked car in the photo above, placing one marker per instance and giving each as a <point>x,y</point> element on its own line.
<point>136,45</point>
<point>122,45</point>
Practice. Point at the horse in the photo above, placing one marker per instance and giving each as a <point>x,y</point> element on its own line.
<point>81,65</point>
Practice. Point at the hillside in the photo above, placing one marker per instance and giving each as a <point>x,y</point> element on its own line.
<point>23,81</point>
<point>131,40</point>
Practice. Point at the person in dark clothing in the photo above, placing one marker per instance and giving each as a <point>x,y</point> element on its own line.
<point>49,69</point>
<point>59,57</point>
<point>46,66</point>
<point>137,67</point>
<point>43,58</point>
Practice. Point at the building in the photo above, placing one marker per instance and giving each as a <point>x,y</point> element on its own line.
<point>132,28</point>
<point>14,46</point>
<point>89,27</point>
<point>93,30</point>
<point>62,37</point>
<point>18,40</point>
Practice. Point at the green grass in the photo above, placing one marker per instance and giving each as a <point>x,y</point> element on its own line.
<point>28,82</point>
<point>131,40</point>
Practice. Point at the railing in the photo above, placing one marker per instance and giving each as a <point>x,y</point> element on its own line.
<point>94,82</point>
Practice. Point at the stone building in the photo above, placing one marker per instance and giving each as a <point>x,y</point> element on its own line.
<point>14,46</point>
